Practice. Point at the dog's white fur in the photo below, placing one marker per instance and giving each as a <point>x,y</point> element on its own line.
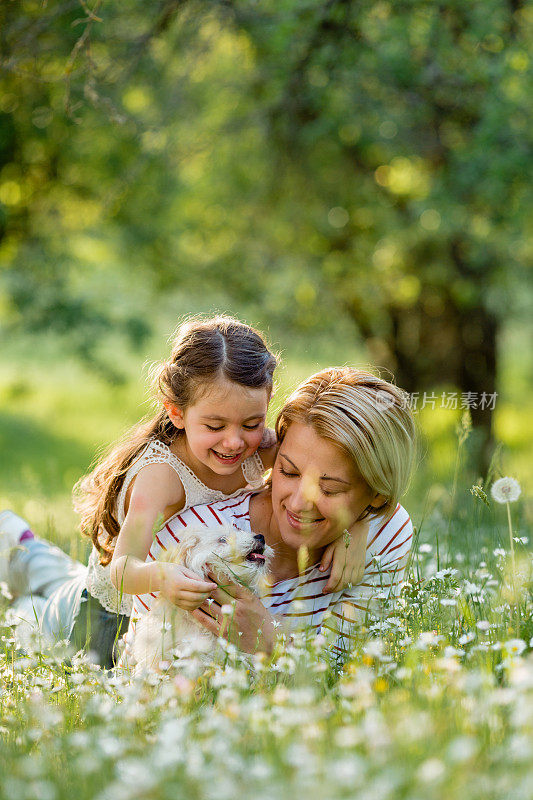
<point>166,629</point>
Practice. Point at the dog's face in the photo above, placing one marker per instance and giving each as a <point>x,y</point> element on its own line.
<point>225,550</point>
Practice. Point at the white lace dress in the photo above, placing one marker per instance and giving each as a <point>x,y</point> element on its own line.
<point>98,577</point>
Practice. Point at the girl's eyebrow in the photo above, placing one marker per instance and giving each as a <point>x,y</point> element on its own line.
<point>322,477</point>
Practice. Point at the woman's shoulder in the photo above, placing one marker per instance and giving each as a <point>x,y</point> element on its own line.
<point>399,516</point>
<point>387,534</point>
<point>229,511</point>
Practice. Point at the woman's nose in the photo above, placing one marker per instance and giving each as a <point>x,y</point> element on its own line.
<point>301,499</point>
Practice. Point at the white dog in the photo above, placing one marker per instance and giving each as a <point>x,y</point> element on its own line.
<point>229,553</point>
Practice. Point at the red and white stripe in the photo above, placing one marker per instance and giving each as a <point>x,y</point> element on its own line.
<point>233,511</point>
<point>300,601</point>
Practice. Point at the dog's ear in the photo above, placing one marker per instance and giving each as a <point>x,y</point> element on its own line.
<point>183,550</point>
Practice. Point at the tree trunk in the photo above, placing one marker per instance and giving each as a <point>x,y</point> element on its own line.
<point>454,346</point>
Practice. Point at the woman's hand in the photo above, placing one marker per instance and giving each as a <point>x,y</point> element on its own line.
<point>181,586</point>
<point>346,556</point>
<point>249,625</point>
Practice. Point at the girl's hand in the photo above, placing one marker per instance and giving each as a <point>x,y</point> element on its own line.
<point>346,556</point>
<point>183,587</point>
<point>249,625</point>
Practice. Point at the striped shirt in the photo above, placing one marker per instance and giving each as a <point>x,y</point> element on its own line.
<point>299,601</point>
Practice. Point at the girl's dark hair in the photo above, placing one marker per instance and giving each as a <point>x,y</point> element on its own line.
<point>203,350</point>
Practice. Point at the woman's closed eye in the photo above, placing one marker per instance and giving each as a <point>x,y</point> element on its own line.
<point>288,474</point>
<point>325,492</point>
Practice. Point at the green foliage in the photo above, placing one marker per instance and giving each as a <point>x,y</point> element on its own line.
<point>349,169</point>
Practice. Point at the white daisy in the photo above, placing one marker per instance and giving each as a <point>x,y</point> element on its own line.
<point>515,646</point>
<point>506,490</point>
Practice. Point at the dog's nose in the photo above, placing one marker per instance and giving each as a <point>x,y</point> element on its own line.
<point>259,538</point>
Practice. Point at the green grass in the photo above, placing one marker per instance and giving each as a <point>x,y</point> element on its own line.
<point>433,702</point>
<point>56,415</point>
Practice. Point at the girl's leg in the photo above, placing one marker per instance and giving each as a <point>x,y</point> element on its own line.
<point>46,582</point>
<point>37,567</point>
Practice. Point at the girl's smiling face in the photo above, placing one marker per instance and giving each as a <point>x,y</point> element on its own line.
<point>316,489</point>
<point>224,426</point>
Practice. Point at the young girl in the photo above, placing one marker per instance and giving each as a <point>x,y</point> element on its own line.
<point>201,447</point>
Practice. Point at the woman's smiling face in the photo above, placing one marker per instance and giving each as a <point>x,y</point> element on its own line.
<point>316,489</point>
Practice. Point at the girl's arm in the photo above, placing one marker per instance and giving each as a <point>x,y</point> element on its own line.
<point>156,490</point>
<point>268,448</point>
<point>375,595</point>
<point>346,556</point>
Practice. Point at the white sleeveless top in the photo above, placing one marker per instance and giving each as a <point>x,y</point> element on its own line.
<point>98,577</point>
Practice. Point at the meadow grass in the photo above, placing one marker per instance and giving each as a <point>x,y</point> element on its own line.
<point>434,699</point>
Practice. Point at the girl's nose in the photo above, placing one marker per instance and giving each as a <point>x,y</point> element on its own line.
<point>233,441</point>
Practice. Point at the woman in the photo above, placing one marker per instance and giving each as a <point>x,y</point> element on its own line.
<point>346,451</point>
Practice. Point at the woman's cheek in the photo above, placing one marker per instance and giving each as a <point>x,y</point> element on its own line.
<point>341,514</point>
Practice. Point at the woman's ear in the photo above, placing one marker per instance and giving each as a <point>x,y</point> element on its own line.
<point>174,414</point>
<point>378,501</point>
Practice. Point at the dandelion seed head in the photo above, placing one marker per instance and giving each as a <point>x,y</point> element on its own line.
<point>506,490</point>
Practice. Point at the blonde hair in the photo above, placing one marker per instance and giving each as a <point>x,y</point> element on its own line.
<point>367,418</point>
<point>203,350</point>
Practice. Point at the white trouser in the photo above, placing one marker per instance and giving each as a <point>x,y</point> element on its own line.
<point>47,585</point>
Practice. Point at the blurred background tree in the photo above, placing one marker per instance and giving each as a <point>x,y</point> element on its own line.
<point>337,169</point>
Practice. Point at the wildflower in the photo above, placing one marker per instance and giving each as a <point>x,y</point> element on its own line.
<point>431,770</point>
<point>428,639</point>
<point>506,490</point>
<point>450,652</point>
<point>462,748</point>
<point>374,648</point>
<point>515,647</point>
<point>4,591</point>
